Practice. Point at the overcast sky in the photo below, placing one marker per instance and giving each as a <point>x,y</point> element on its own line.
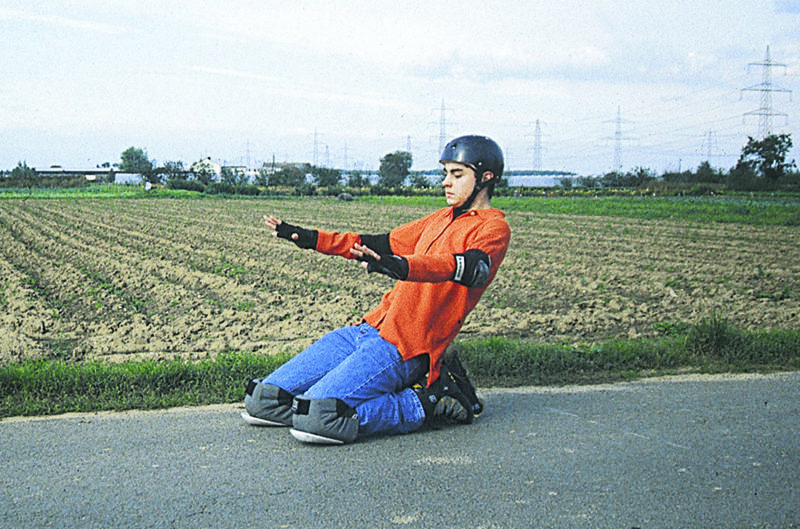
<point>81,81</point>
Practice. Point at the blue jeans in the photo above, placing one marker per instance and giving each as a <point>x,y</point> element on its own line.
<point>356,365</point>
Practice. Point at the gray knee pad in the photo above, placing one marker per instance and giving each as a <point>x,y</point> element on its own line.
<point>327,418</point>
<point>268,402</point>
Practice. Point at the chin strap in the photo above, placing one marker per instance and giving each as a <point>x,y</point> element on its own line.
<point>463,208</point>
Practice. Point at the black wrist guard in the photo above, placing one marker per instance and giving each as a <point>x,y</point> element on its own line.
<point>306,239</point>
<point>393,266</point>
<point>472,268</point>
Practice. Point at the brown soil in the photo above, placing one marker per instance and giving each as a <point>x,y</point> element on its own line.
<point>123,279</point>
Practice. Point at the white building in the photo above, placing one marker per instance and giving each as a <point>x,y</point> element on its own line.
<point>206,165</point>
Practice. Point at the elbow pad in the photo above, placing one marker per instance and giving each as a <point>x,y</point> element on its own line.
<point>472,268</point>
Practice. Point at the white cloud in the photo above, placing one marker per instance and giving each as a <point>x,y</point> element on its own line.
<point>55,20</point>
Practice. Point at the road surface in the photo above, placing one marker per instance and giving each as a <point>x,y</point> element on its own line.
<point>692,451</point>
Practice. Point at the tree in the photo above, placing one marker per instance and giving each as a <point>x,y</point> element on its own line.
<point>135,161</point>
<point>233,177</point>
<point>325,177</point>
<point>262,178</point>
<point>394,169</point>
<point>288,175</point>
<point>173,171</point>
<point>357,179</point>
<point>707,174</point>
<point>22,172</point>
<point>418,179</point>
<point>768,156</point>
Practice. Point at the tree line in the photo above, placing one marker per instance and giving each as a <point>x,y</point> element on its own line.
<point>762,166</point>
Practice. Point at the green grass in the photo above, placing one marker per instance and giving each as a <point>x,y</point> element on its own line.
<point>704,210</point>
<point>757,211</point>
<point>96,191</point>
<point>45,387</point>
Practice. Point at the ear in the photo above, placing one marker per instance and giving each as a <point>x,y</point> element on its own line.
<point>488,175</point>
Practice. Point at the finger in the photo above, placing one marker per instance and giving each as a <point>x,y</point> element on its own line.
<point>369,251</point>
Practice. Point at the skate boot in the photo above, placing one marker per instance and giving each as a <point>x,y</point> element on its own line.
<point>443,401</point>
<point>459,374</point>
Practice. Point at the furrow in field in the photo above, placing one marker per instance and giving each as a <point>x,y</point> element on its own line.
<point>27,322</point>
<point>173,319</point>
<point>200,277</point>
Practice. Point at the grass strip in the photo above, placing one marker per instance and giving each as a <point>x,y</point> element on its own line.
<point>755,211</point>
<point>46,387</point>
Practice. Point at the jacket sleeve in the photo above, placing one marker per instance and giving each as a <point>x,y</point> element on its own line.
<point>333,243</point>
<point>492,239</point>
<point>400,241</point>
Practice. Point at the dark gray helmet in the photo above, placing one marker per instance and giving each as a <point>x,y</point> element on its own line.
<point>479,152</point>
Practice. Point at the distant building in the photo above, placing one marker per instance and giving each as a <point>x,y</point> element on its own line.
<point>206,165</point>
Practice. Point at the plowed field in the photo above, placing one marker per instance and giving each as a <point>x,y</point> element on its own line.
<point>122,279</point>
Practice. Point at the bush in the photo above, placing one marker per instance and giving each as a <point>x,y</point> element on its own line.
<point>251,190</point>
<point>713,339</point>
<point>220,188</point>
<point>187,185</point>
<point>305,190</point>
<point>699,190</point>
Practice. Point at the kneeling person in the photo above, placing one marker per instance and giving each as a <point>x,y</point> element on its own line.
<point>387,375</point>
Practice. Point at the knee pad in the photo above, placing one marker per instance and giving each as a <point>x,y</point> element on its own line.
<point>268,402</point>
<point>329,421</point>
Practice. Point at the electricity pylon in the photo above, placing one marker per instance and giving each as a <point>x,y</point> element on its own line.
<point>765,111</point>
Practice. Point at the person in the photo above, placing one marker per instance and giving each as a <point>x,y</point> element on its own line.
<point>386,375</point>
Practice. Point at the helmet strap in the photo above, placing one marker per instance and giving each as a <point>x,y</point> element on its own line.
<point>463,208</point>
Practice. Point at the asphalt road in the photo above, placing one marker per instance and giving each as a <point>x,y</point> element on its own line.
<point>677,452</point>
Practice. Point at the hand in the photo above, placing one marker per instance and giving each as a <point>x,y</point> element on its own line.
<point>393,266</point>
<point>364,254</point>
<point>272,223</point>
<point>301,237</point>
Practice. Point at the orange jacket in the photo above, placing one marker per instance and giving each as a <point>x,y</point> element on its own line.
<point>423,314</point>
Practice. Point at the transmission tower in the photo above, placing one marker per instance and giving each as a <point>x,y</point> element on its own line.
<point>765,111</point>
<point>443,127</point>
<point>537,147</point>
<point>618,137</point>
<point>618,141</point>
<point>711,143</point>
<point>316,147</point>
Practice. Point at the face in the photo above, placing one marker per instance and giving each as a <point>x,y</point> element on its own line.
<point>459,182</point>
